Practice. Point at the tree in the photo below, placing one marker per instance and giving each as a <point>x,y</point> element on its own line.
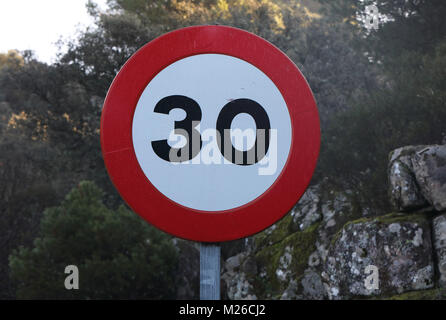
<point>119,256</point>
<point>27,186</point>
<point>405,26</point>
<point>320,47</point>
<point>50,124</point>
<point>28,179</point>
<point>11,59</point>
<point>408,106</point>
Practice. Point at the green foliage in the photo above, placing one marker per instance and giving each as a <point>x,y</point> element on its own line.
<point>299,245</point>
<point>26,188</point>
<point>409,110</point>
<point>376,90</point>
<point>414,26</point>
<point>118,255</point>
<point>282,229</point>
<point>11,59</point>
<point>322,49</point>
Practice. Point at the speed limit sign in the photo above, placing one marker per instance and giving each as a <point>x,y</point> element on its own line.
<point>210,133</point>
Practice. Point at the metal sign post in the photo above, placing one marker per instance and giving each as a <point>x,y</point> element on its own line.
<point>209,271</point>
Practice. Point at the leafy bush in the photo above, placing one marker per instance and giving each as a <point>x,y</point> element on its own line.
<point>118,254</point>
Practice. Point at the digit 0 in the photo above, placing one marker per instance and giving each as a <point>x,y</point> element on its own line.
<point>225,118</point>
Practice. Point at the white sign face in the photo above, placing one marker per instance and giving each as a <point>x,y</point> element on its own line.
<point>208,83</point>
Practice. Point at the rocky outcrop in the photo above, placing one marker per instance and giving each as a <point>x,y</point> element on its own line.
<point>417,176</point>
<point>439,228</point>
<point>286,260</point>
<point>429,165</point>
<point>398,250</point>
<point>307,211</point>
<point>405,193</point>
<point>237,271</point>
<point>332,246</point>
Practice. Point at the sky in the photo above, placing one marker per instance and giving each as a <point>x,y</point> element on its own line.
<point>38,24</point>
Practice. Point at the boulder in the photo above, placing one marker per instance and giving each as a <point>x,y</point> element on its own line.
<point>237,277</point>
<point>429,166</point>
<point>285,261</point>
<point>332,245</point>
<point>417,176</point>
<point>312,286</point>
<point>307,210</point>
<point>439,230</point>
<point>309,287</point>
<point>238,286</point>
<point>397,246</point>
<point>322,203</point>
<point>405,193</point>
<point>233,263</point>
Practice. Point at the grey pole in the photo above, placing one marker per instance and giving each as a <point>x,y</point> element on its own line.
<point>209,271</point>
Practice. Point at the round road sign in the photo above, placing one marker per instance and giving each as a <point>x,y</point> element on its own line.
<point>210,133</point>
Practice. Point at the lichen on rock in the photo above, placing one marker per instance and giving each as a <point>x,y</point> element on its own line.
<point>307,211</point>
<point>288,256</point>
<point>417,176</point>
<point>405,193</point>
<point>284,262</point>
<point>439,230</point>
<point>332,243</point>
<point>429,166</point>
<point>399,246</point>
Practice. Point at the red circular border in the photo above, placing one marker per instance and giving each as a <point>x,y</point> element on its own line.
<point>144,198</point>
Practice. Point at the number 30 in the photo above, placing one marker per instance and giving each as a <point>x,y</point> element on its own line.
<point>186,128</point>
